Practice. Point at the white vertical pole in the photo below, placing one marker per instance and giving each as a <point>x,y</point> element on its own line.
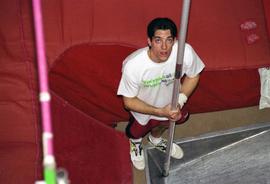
<point>178,74</point>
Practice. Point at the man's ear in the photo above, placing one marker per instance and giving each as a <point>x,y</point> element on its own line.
<point>149,42</point>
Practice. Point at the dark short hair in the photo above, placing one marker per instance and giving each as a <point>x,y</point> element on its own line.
<point>163,24</point>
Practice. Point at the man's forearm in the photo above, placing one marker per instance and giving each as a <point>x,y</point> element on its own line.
<point>137,105</point>
<point>189,84</point>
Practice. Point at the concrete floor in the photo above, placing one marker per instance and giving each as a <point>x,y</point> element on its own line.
<point>208,122</point>
<point>239,155</point>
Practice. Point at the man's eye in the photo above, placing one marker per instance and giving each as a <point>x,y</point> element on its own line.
<point>170,40</point>
<point>157,40</point>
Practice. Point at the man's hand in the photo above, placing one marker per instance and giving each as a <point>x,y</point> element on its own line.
<point>173,115</point>
<point>138,105</point>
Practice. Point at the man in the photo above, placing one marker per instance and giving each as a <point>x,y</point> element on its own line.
<point>147,86</point>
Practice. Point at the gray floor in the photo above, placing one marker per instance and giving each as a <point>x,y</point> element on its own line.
<point>203,123</point>
<point>240,155</point>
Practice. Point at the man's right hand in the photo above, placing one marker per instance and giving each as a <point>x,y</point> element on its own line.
<point>138,105</point>
<point>173,115</point>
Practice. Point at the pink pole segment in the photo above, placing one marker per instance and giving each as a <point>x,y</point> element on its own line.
<point>43,79</point>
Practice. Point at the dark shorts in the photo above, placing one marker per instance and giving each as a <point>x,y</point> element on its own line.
<point>135,130</point>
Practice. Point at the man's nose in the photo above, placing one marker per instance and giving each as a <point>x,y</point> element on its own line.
<point>164,45</point>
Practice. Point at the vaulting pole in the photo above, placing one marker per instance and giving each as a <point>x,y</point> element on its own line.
<point>44,98</point>
<point>178,74</point>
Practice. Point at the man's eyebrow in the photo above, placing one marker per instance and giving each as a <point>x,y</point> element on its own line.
<point>161,37</point>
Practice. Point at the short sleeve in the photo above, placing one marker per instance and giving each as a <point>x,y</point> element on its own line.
<point>193,64</point>
<point>128,87</point>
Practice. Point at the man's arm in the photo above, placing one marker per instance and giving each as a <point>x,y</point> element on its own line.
<point>140,106</point>
<point>189,84</point>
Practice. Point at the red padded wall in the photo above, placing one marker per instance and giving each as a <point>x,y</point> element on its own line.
<point>266,4</point>
<point>92,83</point>
<point>90,151</point>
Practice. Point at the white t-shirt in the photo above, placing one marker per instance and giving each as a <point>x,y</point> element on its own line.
<point>152,82</point>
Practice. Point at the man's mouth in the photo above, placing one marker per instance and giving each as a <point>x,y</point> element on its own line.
<point>163,54</point>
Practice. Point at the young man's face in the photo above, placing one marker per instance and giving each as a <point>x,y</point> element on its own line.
<point>161,45</point>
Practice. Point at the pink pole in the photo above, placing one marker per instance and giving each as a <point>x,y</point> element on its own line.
<point>50,174</point>
<point>44,95</point>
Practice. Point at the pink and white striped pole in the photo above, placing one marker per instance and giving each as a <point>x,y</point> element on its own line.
<point>44,97</point>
